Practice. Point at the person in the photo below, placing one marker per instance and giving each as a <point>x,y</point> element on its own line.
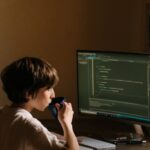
<point>29,84</point>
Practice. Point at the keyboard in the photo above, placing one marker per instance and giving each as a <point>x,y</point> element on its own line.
<point>95,144</point>
<point>84,148</point>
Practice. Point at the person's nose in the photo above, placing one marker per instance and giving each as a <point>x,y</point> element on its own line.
<point>52,94</point>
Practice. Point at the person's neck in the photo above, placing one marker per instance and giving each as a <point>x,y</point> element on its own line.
<point>23,106</point>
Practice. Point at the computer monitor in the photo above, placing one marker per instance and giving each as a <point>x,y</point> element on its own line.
<point>114,84</point>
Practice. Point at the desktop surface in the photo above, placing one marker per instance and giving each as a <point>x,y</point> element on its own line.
<point>133,147</point>
<point>82,127</point>
<point>145,146</point>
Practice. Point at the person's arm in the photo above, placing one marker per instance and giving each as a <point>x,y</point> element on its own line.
<point>65,116</point>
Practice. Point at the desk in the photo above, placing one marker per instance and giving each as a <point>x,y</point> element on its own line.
<point>97,129</point>
<point>133,147</point>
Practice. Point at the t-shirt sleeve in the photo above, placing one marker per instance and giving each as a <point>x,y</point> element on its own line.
<point>42,139</point>
<point>47,141</point>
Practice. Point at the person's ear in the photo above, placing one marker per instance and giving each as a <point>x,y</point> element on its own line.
<point>28,96</point>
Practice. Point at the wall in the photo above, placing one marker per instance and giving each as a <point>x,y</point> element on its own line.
<point>55,29</point>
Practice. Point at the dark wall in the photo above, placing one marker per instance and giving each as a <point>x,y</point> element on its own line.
<point>55,29</point>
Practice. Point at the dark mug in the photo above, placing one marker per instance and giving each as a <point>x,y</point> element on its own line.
<point>52,107</point>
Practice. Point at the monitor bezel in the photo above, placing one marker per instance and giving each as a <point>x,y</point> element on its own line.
<point>121,119</point>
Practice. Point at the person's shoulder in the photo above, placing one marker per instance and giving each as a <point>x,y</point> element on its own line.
<point>21,119</point>
<point>24,115</point>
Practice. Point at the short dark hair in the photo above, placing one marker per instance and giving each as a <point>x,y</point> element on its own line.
<point>26,76</point>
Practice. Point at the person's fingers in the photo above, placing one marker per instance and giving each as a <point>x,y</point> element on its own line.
<point>57,106</point>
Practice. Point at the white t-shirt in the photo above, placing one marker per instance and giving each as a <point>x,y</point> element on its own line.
<point>19,130</point>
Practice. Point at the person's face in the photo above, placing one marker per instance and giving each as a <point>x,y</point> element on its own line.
<point>43,98</point>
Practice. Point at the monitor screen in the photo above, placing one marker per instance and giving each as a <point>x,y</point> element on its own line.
<point>114,84</point>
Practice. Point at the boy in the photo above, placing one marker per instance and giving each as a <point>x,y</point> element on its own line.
<point>29,84</point>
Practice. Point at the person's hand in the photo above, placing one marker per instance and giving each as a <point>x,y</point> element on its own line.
<point>65,116</point>
<point>65,113</point>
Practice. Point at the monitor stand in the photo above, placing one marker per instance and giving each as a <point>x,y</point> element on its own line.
<point>133,138</point>
<point>138,131</point>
